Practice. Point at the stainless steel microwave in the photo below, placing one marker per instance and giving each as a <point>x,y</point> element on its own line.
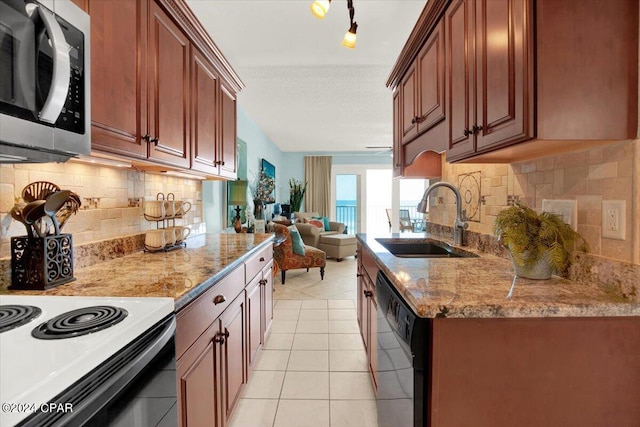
<point>45,103</point>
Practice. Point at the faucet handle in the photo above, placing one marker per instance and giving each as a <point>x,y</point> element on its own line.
<point>464,215</point>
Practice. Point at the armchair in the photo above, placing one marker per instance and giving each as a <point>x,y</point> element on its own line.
<point>311,234</point>
<point>288,260</point>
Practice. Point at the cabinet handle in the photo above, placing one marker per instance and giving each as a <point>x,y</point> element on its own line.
<point>467,132</point>
<point>413,121</point>
<point>219,299</point>
<point>226,333</point>
<point>359,275</point>
<point>263,282</point>
<point>476,128</point>
<point>261,259</point>
<point>147,138</point>
<point>219,338</point>
<point>222,162</point>
<point>368,294</point>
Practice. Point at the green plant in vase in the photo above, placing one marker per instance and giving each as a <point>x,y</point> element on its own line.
<point>539,243</point>
<point>296,194</point>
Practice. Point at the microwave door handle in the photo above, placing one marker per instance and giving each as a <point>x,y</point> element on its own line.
<point>61,69</point>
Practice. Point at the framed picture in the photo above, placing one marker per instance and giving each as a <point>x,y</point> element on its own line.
<point>270,171</point>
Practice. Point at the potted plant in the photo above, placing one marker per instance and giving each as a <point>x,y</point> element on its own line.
<point>296,194</point>
<point>539,243</point>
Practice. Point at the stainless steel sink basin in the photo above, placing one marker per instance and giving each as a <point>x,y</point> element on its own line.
<point>423,248</point>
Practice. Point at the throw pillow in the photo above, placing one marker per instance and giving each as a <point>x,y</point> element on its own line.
<point>325,222</point>
<point>296,240</point>
<point>317,223</point>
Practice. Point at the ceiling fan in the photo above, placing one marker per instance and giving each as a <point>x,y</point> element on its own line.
<point>384,149</point>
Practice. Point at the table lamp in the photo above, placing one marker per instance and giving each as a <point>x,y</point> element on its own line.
<point>237,196</point>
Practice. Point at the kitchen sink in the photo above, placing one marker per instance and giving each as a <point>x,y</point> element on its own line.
<point>423,248</point>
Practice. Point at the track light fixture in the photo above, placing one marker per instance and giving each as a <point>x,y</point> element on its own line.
<point>319,9</point>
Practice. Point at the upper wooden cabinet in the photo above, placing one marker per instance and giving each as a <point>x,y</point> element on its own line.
<point>169,90</point>
<point>160,87</point>
<point>118,76</point>
<point>490,87</point>
<point>524,79</point>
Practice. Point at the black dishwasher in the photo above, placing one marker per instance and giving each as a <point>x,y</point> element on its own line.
<point>403,360</point>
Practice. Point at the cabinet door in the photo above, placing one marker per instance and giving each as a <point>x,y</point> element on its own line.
<point>233,352</point>
<point>397,136</point>
<point>227,149</point>
<point>431,90</point>
<point>118,76</point>
<point>504,66</point>
<point>408,103</point>
<point>204,118</point>
<point>254,308</point>
<point>169,90</point>
<point>267,298</point>
<point>460,82</point>
<point>198,391</point>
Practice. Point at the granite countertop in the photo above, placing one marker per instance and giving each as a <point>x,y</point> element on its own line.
<point>477,287</point>
<point>181,274</point>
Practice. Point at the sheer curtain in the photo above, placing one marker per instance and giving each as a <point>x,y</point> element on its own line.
<point>317,174</point>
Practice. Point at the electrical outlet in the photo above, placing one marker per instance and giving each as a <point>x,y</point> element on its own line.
<point>566,209</point>
<point>613,219</point>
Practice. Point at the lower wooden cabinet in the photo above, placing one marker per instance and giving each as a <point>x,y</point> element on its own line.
<point>211,374</point>
<point>217,339</point>
<point>367,308</point>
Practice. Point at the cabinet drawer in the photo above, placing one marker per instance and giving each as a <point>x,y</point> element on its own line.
<point>370,266</point>
<point>257,262</point>
<point>193,320</point>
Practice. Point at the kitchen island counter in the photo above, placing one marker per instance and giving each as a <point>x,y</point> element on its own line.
<point>181,274</point>
<point>477,287</point>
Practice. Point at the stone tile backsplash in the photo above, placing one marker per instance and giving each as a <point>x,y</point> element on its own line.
<point>112,199</point>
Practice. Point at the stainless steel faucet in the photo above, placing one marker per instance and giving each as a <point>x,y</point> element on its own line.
<point>460,223</point>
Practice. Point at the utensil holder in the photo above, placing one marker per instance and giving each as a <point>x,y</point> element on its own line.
<point>41,262</point>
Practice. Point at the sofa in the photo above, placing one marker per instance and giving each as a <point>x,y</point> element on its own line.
<point>310,233</point>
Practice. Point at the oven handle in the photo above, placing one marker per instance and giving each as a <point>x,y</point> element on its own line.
<point>61,66</point>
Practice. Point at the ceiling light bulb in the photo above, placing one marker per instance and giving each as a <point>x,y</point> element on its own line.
<point>349,39</point>
<point>319,8</point>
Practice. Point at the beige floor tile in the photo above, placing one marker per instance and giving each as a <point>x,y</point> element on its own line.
<point>302,413</point>
<point>353,413</point>
<point>341,304</point>
<point>272,360</point>
<point>288,305</point>
<point>283,326</point>
<point>345,342</point>
<point>254,413</point>
<point>312,326</point>
<point>350,386</point>
<point>342,314</point>
<point>347,361</point>
<point>305,385</point>
<point>349,295</point>
<point>279,314</point>
<point>290,294</point>
<point>279,342</point>
<point>343,327</point>
<point>311,342</point>
<point>314,304</point>
<point>314,314</point>
<point>264,385</point>
<point>308,360</point>
<point>323,290</point>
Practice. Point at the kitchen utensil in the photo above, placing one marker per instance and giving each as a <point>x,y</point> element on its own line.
<point>32,212</point>
<point>16,214</point>
<point>54,202</point>
<point>38,190</point>
<point>70,207</point>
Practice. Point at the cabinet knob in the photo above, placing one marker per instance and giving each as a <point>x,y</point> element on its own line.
<point>476,128</point>
<point>413,121</point>
<point>466,132</point>
<point>222,162</point>
<point>261,259</point>
<point>220,337</point>
<point>359,275</point>
<point>147,138</point>
<point>263,282</point>
<point>154,141</point>
<point>219,299</point>
<point>368,294</point>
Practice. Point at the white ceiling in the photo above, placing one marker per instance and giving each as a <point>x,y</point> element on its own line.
<point>303,88</point>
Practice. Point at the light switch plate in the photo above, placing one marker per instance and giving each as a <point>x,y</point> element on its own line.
<point>614,219</point>
<point>566,209</point>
